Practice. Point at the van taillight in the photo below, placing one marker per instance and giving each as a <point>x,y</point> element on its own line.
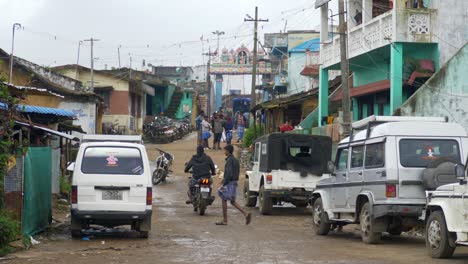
<point>149,196</point>
<point>269,178</point>
<point>390,190</point>
<point>74,194</point>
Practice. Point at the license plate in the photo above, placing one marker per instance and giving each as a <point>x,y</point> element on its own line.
<point>112,195</point>
<point>204,189</point>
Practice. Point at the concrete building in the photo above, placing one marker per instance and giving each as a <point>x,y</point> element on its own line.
<point>124,97</point>
<point>394,47</point>
<point>46,88</point>
<point>445,94</point>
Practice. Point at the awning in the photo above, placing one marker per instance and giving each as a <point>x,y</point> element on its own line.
<point>362,90</point>
<point>103,88</point>
<point>48,131</point>
<point>70,127</point>
<point>41,110</point>
<point>310,70</point>
<point>149,90</point>
<point>281,102</point>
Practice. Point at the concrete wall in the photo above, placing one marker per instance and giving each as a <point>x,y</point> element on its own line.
<point>450,28</point>
<point>185,106</point>
<point>85,113</point>
<point>63,80</point>
<point>100,79</point>
<point>199,73</point>
<point>445,94</point>
<point>42,100</point>
<point>297,82</point>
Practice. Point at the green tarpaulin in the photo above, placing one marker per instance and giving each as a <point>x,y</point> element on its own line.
<point>37,210</point>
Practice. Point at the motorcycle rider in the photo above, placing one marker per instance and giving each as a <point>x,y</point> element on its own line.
<point>202,167</point>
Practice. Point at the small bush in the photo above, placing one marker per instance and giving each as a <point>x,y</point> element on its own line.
<point>249,135</point>
<point>9,229</point>
<point>65,186</point>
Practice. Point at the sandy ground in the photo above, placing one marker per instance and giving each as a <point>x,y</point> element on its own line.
<point>181,236</point>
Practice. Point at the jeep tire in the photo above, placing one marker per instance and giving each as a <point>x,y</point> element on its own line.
<point>437,236</point>
<point>266,203</point>
<point>250,199</point>
<point>321,223</point>
<point>365,219</point>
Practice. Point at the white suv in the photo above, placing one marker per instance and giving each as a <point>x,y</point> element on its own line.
<point>111,185</point>
<point>446,217</point>
<point>382,172</point>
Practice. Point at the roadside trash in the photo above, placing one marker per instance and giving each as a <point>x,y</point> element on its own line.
<point>67,216</point>
<point>103,242</point>
<point>34,241</point>
<point>85,238</point>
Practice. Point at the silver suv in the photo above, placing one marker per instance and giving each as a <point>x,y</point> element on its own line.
<point>382,171</point>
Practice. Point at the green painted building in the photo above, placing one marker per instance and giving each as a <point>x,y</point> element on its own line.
<point>394,47</point>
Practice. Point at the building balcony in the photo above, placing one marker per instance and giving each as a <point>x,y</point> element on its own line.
<point>396,25</point>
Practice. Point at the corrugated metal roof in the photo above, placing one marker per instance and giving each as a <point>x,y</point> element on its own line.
<point>41,110</point>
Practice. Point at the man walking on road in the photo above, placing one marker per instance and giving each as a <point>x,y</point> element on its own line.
<point>228,191</point>
<point>218,126</point>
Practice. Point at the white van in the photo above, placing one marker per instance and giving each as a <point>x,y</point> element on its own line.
<point>382,172</point>
<point>111,186</point>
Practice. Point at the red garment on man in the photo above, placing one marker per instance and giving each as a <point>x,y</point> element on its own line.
<point>286,127</point>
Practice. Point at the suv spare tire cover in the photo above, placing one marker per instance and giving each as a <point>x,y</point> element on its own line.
<point>438,173</point>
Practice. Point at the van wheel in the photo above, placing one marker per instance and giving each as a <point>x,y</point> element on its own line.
<point>321,224</point>
<point>75,227</point>
<point>365,218</point>
<point>250,199</point>
<point>266,204</point>
<point>437,236</point>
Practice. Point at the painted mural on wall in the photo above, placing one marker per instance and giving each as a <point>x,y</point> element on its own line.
<point>239,61</point>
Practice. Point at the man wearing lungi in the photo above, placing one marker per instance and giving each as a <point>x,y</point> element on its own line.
<point>228,191</point>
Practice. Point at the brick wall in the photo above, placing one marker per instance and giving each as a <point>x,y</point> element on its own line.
<point>119,103</point>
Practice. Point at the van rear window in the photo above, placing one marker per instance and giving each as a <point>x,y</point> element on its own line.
<point>421,152</point>
<point>112,160</point>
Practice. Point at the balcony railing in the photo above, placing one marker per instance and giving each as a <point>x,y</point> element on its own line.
<point>402,25</point>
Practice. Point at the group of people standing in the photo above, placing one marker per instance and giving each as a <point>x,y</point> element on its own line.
<point>222,126</point>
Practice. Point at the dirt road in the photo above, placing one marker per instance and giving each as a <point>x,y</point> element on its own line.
<point>181,236</point>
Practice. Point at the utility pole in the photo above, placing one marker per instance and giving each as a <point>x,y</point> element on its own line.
<point>218,33</point>
<point>118,53</point>
<point>78,59</point>
<point>208,80</point>
<point>92,61</point>
<point>253,95</point>
<point>130,68</point>
<point>345,126</point>
<point>12,58</point>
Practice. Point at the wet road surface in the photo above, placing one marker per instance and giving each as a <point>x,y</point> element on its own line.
<point>179,235</point>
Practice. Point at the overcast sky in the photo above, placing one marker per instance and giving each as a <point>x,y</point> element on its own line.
<point>163,32</point>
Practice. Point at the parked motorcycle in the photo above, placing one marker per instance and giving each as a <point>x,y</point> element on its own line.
<point>164,130</point>
<point>163,166</point>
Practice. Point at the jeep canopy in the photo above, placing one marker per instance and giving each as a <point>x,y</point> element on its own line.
<point>287,151</point>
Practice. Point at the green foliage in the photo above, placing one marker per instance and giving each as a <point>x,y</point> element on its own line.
<point>249,135</point>
<point>6,131</point>
<point>26,241</point>
<point>65,186</point>
<point>9,230</point>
